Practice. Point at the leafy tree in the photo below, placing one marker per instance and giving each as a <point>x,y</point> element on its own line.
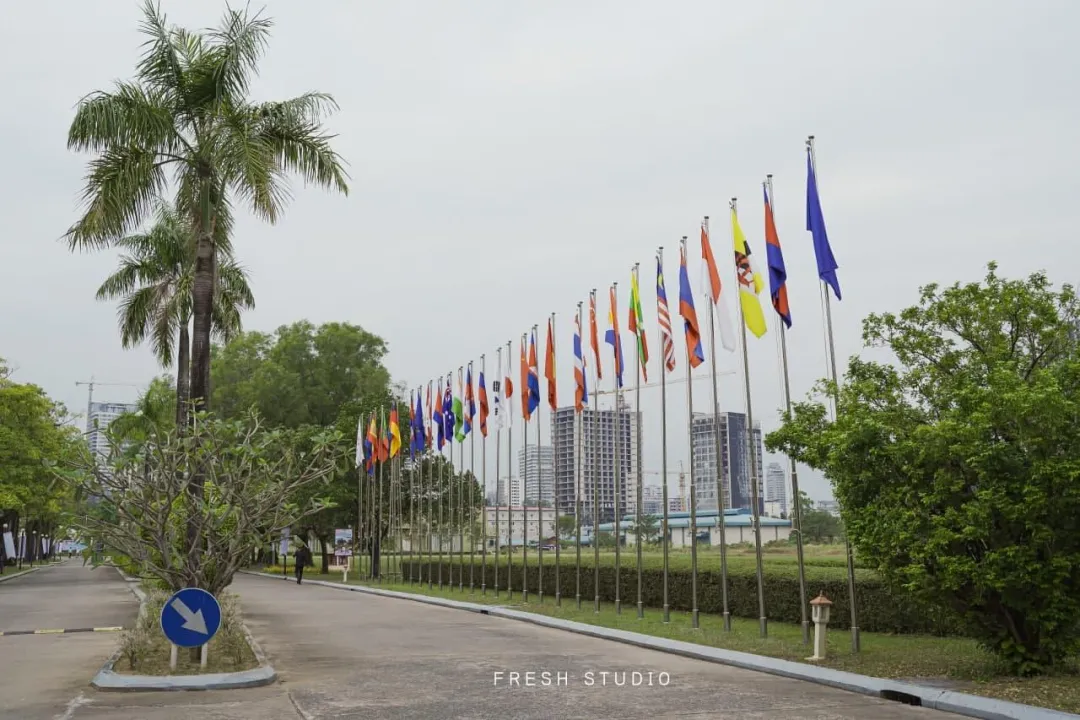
<point>309,379</point>
<point>818,526</point>
<point>33,436</point>
<point>253,477</point>
<point>155,280</point>
<point>567,526</point>
<point>648,528</point>
<point>957,467</point>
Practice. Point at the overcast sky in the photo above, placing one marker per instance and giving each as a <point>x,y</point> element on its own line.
<point>507,157</point>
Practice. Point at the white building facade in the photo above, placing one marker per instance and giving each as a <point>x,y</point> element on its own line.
<point>508,524</point>
<point>98,419</point>
<point>536,465</point>
<point>776,487</point>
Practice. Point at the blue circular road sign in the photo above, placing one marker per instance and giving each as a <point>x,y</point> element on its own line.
<point>190,617</point>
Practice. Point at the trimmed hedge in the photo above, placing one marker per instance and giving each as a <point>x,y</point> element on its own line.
<point>881,609</point>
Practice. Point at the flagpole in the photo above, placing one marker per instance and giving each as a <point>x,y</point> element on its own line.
<point>663,444</point>
<point>755,514</point>
<point>498,383</point>
<point>721,522</point>
<point>413,535</point>
<point>525,481</point>
<point>618,454</point>
<point>637,432</point>
<point>461,504</point>
<point>378,509</point>
<point>596,467</point>
<point>360,472</point>
<point>694,615</point>
<point>509,470</point>
<point>391,533</point>
<point>855,639</point>
<point>483,492</point>
<point>473,429</point>
<point>539,479</point>
<point>578,484</point>
<point>797,510</point>
<point>445,481</point>
<point>555,479</point>
<point>429,510</point>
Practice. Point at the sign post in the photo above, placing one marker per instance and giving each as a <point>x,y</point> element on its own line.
<point>189,619</point>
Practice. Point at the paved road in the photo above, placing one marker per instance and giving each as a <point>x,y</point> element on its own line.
<point>347,655</point>
<point>41,674</point>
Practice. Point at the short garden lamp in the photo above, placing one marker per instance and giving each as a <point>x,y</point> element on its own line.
<point>819,612</point>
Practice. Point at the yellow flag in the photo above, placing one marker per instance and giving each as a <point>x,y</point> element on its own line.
<point>750,285</point>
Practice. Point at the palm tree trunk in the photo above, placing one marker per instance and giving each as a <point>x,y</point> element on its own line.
<point>183,377</point>
<point>202,305</point>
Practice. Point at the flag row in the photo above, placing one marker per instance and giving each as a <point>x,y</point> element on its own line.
<point>439,414</point>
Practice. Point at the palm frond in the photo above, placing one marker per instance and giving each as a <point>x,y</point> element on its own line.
<point>299,143</point>
<point>238,44</point>
<point>160,64</point>
<point>121,188</point>
<point>135,315</point>
<point>131,115</point>
<point>129,275</point>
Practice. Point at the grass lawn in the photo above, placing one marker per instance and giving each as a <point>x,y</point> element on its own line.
<point>956,663</point>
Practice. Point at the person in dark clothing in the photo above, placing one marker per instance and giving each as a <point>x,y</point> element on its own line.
<point>303,558</point>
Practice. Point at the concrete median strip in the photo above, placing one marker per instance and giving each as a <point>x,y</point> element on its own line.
<point>18,574</point>
<point>63,631</point>
<point>111,681</point>
<point>945,700</point>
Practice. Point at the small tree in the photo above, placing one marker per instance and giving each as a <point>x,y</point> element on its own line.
<point>648,528</point>
<point>252,477</point>
<point>958,468</point>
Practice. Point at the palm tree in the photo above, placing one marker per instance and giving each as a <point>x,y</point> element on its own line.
<point>186,120</point>
<point>156,279</point>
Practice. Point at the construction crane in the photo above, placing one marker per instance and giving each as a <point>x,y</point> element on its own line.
<point>90,393</point>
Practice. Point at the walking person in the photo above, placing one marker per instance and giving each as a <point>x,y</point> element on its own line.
<point>303,558</point>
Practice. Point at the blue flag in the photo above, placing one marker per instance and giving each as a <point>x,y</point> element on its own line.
<point>815,223</point>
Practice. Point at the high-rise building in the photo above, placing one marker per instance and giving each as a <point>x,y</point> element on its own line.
<point>776,486</point>
<point>98,419</point>
<point>537,466</point>
<point>733,461</point>
<point>511,485</point>
<point>595,430</point>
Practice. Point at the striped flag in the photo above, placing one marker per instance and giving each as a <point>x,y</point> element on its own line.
<point>777,270</point>
<point>663,316</point>
<point>581,390</point>
<point>508,391</point>
<point>470,401</point>
<point>689,313</point>
<point>636,324</point>
<point>594,337</point>
<point>533,379</point>
<point>613,338</point>
<point>427,420</point>
<point>482,392</point>
<point>549,368</point>
<point>715,290</point>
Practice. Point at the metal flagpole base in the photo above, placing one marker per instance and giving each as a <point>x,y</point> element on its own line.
<point>856,645</point>
<point>618,606</point>
<point>727,622</point>
<point>695,619</point>
<point>640,610</point>
<point>483,589</point>
<point>667,614</point>
<point>541,600</point>
<point>596,605</point>
<point>805,632</point>
<point>578,598</point>
<point>763,626</point>
<point>558,600</point>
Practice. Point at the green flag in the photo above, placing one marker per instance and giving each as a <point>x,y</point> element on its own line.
<point>459,420</point>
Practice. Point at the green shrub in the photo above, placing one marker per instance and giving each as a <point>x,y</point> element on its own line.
<point>881,609</point>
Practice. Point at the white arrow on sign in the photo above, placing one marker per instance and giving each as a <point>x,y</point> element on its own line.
<point>193,621</point>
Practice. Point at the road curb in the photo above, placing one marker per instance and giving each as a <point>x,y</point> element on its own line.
<point>19,574</point>
<point>974,706</point>
<point>107,680</point>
